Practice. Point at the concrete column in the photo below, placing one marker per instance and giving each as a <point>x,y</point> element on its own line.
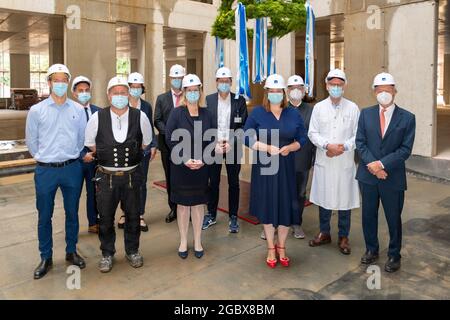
<point>209,67</point>
<point>134,65</point>
<point>154,61</point>
<point>20,70</point>
<point>91,51</point>
<point>414,65</point>
<point>56,51</point>
<point>322,65</point>
<point>447,79</point>
<point>285,56</point>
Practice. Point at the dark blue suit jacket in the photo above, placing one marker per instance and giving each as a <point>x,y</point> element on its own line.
<point>85,150</point>
<point>393,150</point>
<point>147,109</point>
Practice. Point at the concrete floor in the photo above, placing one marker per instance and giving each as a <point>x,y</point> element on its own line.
<point>234,265</point>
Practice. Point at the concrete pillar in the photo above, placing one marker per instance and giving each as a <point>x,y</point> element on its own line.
<point>20,70</point>
<point>447,79</point>
<point>56,51</point>
<point>154,61</point>
<point>414,65</point>
<point>91,51</point>
<point>322,65</point>
<point>209,66</point>
<point>285,56</point>
<point>134,65</point>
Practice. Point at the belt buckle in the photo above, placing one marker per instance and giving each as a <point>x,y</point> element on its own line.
<point>120,173</point>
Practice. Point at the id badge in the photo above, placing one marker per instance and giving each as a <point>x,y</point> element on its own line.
<point>237,120</point>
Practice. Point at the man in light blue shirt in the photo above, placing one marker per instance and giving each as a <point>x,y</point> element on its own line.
<point>55,138</point>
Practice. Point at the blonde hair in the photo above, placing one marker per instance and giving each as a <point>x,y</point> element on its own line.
<point>201,101</point>
<point>266,102</point>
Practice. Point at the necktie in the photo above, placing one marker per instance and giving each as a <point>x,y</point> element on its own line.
<point>87,114</point>
<point>382,122</point>
<point>178,98</point>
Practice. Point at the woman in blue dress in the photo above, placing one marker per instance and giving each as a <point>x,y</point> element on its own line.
<point>278,133</point>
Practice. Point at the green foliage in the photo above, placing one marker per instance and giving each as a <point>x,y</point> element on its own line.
<point>285,17</point>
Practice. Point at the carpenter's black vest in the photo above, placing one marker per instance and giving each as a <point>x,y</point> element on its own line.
<point>110,153</point>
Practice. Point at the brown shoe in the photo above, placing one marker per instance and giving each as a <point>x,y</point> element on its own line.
<point>93,229</point>
<point>344,245</point>
<point>320,239</point>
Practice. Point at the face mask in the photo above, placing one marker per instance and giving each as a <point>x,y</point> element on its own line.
<point>336,91</point>
<point>120,102</point>
<point>224,87</point>
<point>84,97</point>
<point>296,94</point>
<point>59,88</point>
<point>384,98</point>
<point>176,83</point>
<point>136,92</point>
<point>275,98</point>
<point>193,96</point>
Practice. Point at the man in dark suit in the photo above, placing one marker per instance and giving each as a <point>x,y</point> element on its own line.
<point>303,157</point>
<point>165,103</point>
<point>384,141</point>
<point>81,89</point>
<point>227,114</point>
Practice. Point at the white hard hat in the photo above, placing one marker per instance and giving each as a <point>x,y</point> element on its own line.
<point>177,71</point>
<point>274,81</point>
<point>58,68</point>
<point>383,79</point>
<point>191,80</point>
<point>336,73</point>
<point>223,72</point>
<point>295,81</point>
<point>136,77</point>
<point>117,81</point>
<point>80,79</point>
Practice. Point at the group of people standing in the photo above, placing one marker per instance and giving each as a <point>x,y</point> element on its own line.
<point>111,148</point>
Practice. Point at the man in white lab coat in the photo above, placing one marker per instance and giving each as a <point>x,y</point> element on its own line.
<point>332,130</point>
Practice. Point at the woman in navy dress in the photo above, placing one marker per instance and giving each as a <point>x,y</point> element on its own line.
<point>279,133</point>
<point>189,173</point>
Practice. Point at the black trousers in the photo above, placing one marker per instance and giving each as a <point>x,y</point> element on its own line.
<point>165,159</point>
<point>110,190</point>
<point>392,201</point>
<point>233,188</point>
<point>302,182</point>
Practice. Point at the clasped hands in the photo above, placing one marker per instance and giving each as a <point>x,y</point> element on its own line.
<point>335,150</point>
<point>376,168</point>
<point>194,164</point>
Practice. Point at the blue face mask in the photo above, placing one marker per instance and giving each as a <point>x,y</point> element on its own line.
<point>336,92</point>
<point>224,87</point>
<point>84,97</point>
<point>59,88</point>
<point>193,96</point>
<point>176,83</point>
<point>275,97</point>
<point>136,92</point>
<point>120,102</point>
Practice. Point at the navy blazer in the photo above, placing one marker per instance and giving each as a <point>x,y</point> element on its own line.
<point>393,150</point>
<point>85,150</point>
<point>147,109</point>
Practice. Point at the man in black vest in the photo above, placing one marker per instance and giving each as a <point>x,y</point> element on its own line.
<point>303,157</point>
<point>165,103</point>
<point>118,134</point>
<point>227,114</point>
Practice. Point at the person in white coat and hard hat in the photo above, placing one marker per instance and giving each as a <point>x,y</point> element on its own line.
<point>332,130</point>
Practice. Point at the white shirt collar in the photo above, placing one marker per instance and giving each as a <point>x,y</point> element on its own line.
<point>389,110</point>
<point>116,116</point>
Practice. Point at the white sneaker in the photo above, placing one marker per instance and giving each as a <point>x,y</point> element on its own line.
<point>263,235</point>
<point>298,232</point>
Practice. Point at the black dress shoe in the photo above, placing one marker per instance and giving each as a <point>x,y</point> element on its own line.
<point>171,216</point>
<point>369,257</point>
<point>199,254</point>
<point>76,260</point>
<point>183,254</point>
<point>43,268</point>
<point>392,265</point>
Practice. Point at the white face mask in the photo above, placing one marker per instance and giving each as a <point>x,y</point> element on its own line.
<point>296,94</point>
<point>384,98</point>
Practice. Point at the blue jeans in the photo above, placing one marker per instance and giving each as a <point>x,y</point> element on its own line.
<point>91,206</point>
<point>47,181</point>
<point>343,224</point>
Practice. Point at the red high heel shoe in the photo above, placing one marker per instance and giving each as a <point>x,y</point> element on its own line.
<point>284,261</point>
<point>271,263</point>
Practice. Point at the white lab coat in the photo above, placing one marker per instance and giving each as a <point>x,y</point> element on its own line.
<point>334,186</point>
